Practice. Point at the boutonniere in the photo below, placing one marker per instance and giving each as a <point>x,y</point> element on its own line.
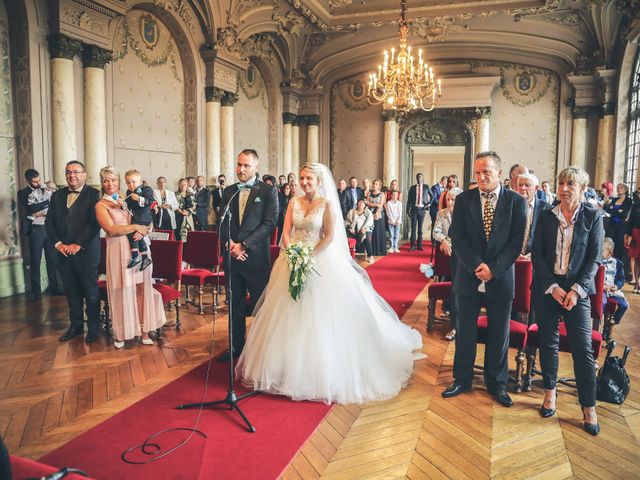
<point>257,200</point>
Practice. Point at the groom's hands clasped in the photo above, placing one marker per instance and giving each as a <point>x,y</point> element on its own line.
<point>237,251</point>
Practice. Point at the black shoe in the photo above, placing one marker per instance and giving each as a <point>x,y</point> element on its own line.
<point>454,390</point>
<point>420,248</point>
<point>146,261</point>
<point>91,337</point>
<point>592,428</point>
<point>226,356</point>
<point>134,261</point>
<point>503,398</point>
<point>412,248</point>
<point>69,334</point>
<point>548,412</point>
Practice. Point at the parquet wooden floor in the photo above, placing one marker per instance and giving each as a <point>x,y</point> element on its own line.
<point>51,392</point>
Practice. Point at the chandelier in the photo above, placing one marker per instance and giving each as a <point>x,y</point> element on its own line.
<point>401,83</point>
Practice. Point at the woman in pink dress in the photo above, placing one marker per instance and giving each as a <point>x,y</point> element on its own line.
<point>135,306</point>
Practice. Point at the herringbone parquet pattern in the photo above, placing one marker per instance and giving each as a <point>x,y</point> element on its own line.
<point>51,392</point>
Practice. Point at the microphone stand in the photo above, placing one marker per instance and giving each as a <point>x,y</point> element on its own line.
<point>231,398</point>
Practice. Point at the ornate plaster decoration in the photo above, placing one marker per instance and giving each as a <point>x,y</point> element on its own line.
<point>252,85</point>
<point>437,28</point>
<point>229,99</point>
<point>258,45</point>
<point>213,94</point>
<point>181,8</point>
<point>520,13</point>
<point>339,3</point>
<point>85,20</point>
<point>290,23</point>
<point>441,131</point>
<point>524,86</point>
<point>61,46</point>
<point>96,57</point>
<point>569,18</point>
<point>353,93</point>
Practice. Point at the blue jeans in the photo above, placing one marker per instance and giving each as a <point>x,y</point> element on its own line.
<point>394,231</point>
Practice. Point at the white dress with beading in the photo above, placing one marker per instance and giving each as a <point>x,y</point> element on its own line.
<point>339,342</point>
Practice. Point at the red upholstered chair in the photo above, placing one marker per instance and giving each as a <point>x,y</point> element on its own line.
<point>533,341</point>
<point>441,263</point>
<point>517,329</point>
<point>102,285</point>
<point>167,265</point>
<point>202,253</point>
<point>274,250</point>
<point>609,319</point>
<point>171,233</point>
<point>439,290</point>
<point>352,247</point>
<point>273,240</point>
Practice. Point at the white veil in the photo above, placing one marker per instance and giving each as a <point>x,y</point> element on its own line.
<point>328,190</point>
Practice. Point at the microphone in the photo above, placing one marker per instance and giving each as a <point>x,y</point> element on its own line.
<point>227,208</point>
<point>63,472</point>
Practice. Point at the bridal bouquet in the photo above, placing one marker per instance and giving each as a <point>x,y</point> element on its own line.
<point>299,258</point>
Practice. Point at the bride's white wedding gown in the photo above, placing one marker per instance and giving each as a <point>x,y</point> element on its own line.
<point>339,342</point>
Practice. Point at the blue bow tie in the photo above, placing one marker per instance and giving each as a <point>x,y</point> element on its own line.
<point>244,186</point>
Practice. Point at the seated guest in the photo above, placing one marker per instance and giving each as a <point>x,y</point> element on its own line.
<point>613,280</point>
<point>393,208</point>
<point>567,250</point>
<point>135,306</point>
<point>441,235</point>
<point>166,206</point>
<point>359,224</point>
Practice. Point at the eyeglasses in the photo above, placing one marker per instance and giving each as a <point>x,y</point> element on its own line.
<point>73,172</point>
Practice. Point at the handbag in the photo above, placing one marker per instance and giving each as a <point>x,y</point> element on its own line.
<point>613,383</point>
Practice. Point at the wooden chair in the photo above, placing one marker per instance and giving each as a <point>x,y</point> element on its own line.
<point>202,253</point>
<point>533,341</point>
<point>171,233</point>
<point>517,327</point>
<point>167,266</point>
<point>352,247</point>
<point>105,317</point>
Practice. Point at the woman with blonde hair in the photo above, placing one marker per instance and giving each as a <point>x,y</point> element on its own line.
<point>135,306</point>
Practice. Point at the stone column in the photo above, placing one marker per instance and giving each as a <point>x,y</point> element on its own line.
<point>213,166</point>
<point>483,124</point>
<point>579,137</point>
<point>287,143</point>
<point>313,138</point>
<point>95,116</point>
<point>227,154</point>
<point>295,145</point>
<point>390,158</point>
<point>606,127</point>
<point>63,119</point>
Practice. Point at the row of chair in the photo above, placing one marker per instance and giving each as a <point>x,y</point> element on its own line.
<point>522,337</point>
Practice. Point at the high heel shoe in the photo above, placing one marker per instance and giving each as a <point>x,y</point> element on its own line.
<point>591,428</point>
<point>548,412</point>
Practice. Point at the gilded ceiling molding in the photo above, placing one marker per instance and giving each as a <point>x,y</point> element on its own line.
<point>181,8</point>
<point>291,23</point>
<point>258,45</point>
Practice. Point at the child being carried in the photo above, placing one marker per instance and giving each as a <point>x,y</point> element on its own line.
<point>139,201</point>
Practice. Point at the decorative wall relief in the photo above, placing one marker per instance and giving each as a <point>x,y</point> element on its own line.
<point>438,131</point>
<point>523,86</point>
<point>353,93</point>
<point>252,85</point>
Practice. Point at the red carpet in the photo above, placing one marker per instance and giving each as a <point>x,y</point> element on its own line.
<point>397,277</point>
<point>230,452</point>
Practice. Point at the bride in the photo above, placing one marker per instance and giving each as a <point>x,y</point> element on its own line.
<point>340,341</point>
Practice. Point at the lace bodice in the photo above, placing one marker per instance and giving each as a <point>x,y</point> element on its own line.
<point>308,228</point>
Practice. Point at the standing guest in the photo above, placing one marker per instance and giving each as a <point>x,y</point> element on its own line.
<point>282,180</point>
<point>359,225</point>
<point>192,185</point>
<point>138,201</point>
<point>135,306</point>
<point>528,187</point>
<point>436,194</point>
<point>203,198</point>
<point>418,201</point>
<point>354,193</point>
<point>294,188</point>
<point>342,196</point>
<point>393,187</point>
<point>472,185</point>
<point>514,172</point>
<point>618,209</point>
<point>218,193</point>
<point>394,219</point>
<point>486,233</point>
<point>366,187</point>
<point>441,235</point>
<point>186,210</point>
<point>549,196</point>
<point>567,250</point>
<point>284,195</point>
<point>452,182</point>
<point>166,206</point>
<point>269,179</point>
<point>255,212</point>
<point>632,241</point>
<point>34,202</point>
<point>613,280</point>
<point>72,228</point>
<point>376,201</point>
<point>290,177</point>
<point>606,192</point>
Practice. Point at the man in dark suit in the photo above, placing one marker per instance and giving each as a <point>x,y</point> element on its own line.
<point>527,186</point>
<point>342,196</point>
<point>353,194</point>
<point>418,202</point>
<point>34,204</point>
<point>486,233</point>
<point>253,206</point>
<point>216,196</point>
<point>72,227</point>
<point>203,198</point>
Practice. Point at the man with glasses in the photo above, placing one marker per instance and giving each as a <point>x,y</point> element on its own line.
<point>72,228</point>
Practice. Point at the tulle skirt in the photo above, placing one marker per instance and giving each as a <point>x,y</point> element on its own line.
<point>339,342</point>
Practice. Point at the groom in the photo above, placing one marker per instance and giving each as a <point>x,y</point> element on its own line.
<point>253,206</point>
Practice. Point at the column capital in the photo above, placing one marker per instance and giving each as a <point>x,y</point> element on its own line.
<point>213,94</point>
<point>288,117</point>
<point>310,119</point>
<point>229,99</point>
<point>584,111</point>
<point>389,115</point>
<point>483,112</point>
<point>608,108</point>
<point>586,90</point>
<point>95,57</point>
<point>62,46</point>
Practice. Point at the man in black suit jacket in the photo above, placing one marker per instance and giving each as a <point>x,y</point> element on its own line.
<point>342,197</point>
<point>203,198</point>
<point>33,218</point>
<point>216,195</point>
<point>486,233</point>
<point>418,202</point>
<point>253,206</point>
<point>352,195</point>
<point>72,227</point>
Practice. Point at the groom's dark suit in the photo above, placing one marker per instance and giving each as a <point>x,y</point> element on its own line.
<point>78,225</point>
<point>258,222</point>
<point>499,253</point>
